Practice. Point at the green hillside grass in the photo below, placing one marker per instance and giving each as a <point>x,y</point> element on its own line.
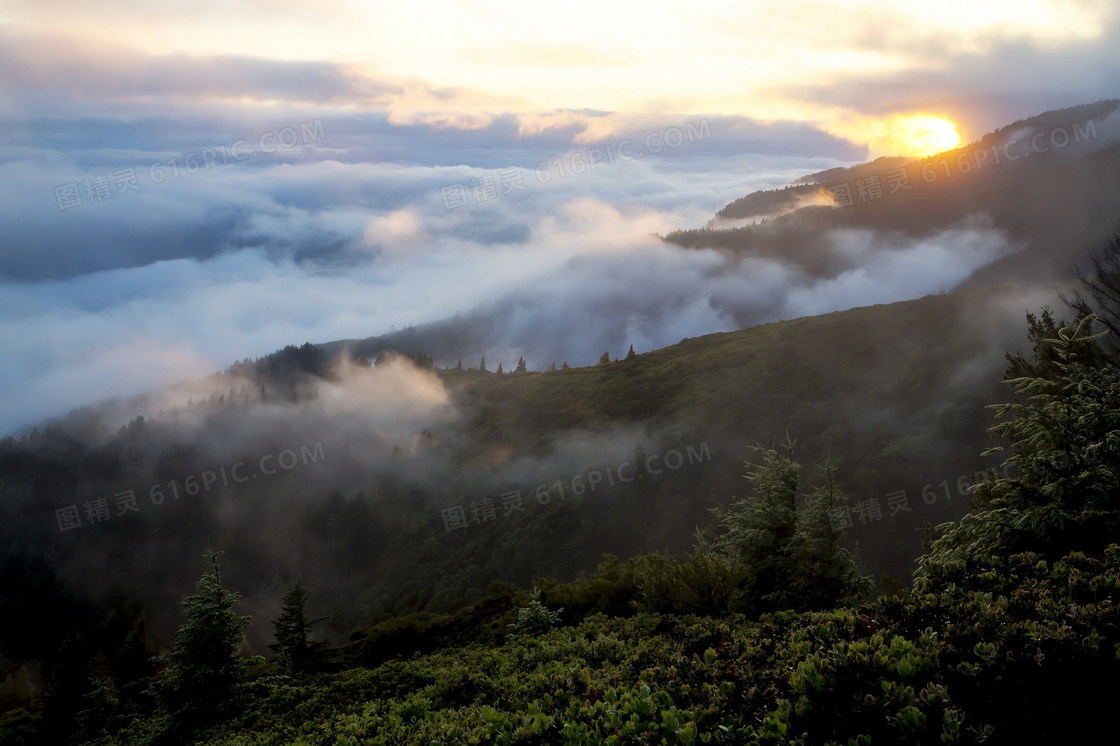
<point>863,382</point>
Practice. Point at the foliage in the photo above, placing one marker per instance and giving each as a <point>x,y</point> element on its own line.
<point>203,667</point>
<point>536,618</point>
<point>790,552</point>
<point>1010,652</point>
<point>1063,432</point>
<point>295,652</point>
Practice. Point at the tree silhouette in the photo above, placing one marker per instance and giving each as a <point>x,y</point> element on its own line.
<point>1100,293</point>
<point>1060,435</point>
<point>203,666</point>
<point>294,651</point>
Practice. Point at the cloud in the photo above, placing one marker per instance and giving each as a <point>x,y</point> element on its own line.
<point>396,231</point>
<point>983,86</point>
<point>282,268</point>
<point>625,287</point>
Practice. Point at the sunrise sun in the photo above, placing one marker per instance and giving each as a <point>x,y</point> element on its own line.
<point>918,135</point>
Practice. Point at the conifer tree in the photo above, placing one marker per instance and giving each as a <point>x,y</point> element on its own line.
<point>826,574</point>
<point>1060,484</point>
<point>790,550</point>
<point>499,371</point>
<point>605,358</point>
<point>536,618</point>
<point>521,368</point>
<point>631,354</point>
<point>758,531</point>
<point>203,666</point>
<point>482,364</point>
<point>295,652</point>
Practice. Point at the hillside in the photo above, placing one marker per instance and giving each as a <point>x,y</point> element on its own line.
<point>894,393</point>
<point>415,494</point>
<point>1046,181</point>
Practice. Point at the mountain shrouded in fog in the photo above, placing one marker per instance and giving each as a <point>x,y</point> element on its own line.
<point>628,373</point>
<point>368,443</point>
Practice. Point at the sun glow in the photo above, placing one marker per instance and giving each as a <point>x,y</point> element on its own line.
<point>911,135</point>
<point>920,135</point>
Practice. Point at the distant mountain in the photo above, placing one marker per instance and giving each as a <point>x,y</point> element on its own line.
<point>895,394</point>
<point>413,486</point>
<point>1050,182</point>
<point>1043,189</point>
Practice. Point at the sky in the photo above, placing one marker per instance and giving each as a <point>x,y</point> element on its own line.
<point>186,185</point>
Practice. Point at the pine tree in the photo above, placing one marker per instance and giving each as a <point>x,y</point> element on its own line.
<point>521,368</point>
<point>499,371</point>
<point>536,618</point>
<point>791,553</point>
<point>631,354</point>
<point>826,573</point>
<point>565,366</point>
<point>100,715</point>
<point>482,364</point>
<point>605,358</point>
<point>758,531</point>
<point>294,651</point>
<point>203,666</point>
<point>459,365</point>
<point>1060,485</point>
<point>552,365</point>
<point>1100,294</point>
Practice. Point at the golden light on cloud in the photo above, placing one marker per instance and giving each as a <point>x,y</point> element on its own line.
<point>919,135</point>
<point>915,135</point>
<point>629,56</point>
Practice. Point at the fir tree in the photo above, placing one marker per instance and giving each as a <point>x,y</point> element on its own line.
<point>1060,484</point>
<point>295,652</point>
<point>565,366</point>
<point>631,354</point>
<point>521,368</point>
<point>758,531</point>
<point>536,618</point>
<point>791,552</point>
<point>203,666</point>
<point>605,358</point>
<point>499,371</point>
<point>482,364</point>
<point>826,574</point>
